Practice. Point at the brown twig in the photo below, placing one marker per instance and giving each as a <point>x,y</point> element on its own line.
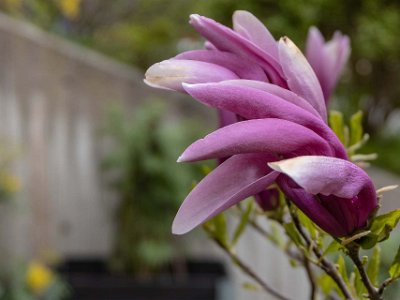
<point>384,285</point>
<point>326,265</point>
<point>311,278</point>
<point>249,272</point>
<point>353,252</point>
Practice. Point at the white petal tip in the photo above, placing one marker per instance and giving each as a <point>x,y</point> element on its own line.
<point>195,18</point>
<point>179,230</point>
<point>181,159</point>
<point>386,189</point>
<point>275,166</point>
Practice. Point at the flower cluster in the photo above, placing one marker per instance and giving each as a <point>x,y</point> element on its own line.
<point>272,103</point>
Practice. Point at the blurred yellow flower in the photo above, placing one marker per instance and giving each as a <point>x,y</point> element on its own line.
<point>38,277</point>
<point>9,183</point>
<point>70,8</point>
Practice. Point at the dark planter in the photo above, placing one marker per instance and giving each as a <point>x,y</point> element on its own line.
<point>90,279</point>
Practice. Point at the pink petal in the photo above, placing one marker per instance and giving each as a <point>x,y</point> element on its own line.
<point>252,103</point>
<point>325,175</point>
<point>242,67</point>
<point>234,180</point>
<point>170,74</point>
<point>248,26</point>
<point>225,39</point>
<point>301,78</point>
<point>308,204</point>
<point>272,136</point>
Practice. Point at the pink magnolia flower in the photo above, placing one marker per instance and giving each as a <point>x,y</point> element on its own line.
<point>327,58</point>
<point>273,129</point>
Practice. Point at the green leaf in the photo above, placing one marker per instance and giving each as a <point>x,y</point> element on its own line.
<point>337,124</point>
<point>373,266</point>
<point>381,228</point>
<point>326,284</point>
<point>358,284</point>
<point>243,222</point>
<point>342,268</point>
<point>394,269</point>
<point>308,224</point>
<point>250,286</point>
<point>356,128</point>
<point>332,247</point>
<point>220,230</point>
<point>291,231</point>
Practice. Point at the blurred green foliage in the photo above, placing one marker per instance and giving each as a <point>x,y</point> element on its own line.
<point>148,183</point>
<point>143,32</point>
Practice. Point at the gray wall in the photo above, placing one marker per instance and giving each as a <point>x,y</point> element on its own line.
<point>53,96</point>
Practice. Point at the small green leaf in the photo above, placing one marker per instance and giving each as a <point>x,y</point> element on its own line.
<point>358,284</point>
<point>394,269</point>
<point>308,224</point>
<point>337,124</point>
<point>250,286</point>
<point>381,228</point>
<point>220,231</point>
<point>243,222</point>
<point>326,284</point>
<point>216,228</point>
<point>356,128</point>
<point>291,231</point>
<point>342,268</point>
<point>332,247</point>
<point>373,266</point>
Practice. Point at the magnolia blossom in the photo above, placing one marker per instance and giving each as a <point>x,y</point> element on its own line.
<point>273,128</point>
<point>327,58</point>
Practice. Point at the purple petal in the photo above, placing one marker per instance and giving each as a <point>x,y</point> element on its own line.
<point>226,118</point>
<point>301,78</point>
<point>327,59</point>
<point>248,26</point>
<point>272,136</point>
<point>242,67</point>
<point>278,91</point>
<point>343,189</point>
<point>268,199</point>
<point>308,204</point>
<point>252,103</point>
<point>225,39</point>
<point>169,74</point>
<point>325,175</point>
<point>234,180</point>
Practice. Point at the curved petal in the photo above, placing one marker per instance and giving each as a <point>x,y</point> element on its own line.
<point>251,28</point>
<point>242,67</point>
<point>278,91</point>
<point>301,78</point>
<point>252,103</point>
<point>327,176</point>
<point>234,180</point>
<point>169,74</point>
<point>327,58</point>
<point>310,206</point>
<point>314,51</point>
<point>225,39</point>
<point>273,136</point>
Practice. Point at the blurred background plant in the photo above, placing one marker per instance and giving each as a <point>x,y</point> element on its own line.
<point>142,171</point>
<point>142,32</point>
<point>31,281</point>
<point>9,183</point>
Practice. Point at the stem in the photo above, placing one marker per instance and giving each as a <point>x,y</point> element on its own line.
<point>247,270</point>
<point>311,279</point>
<point>326,265</point>
<point>373,292</point>
<point>385,284</point>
